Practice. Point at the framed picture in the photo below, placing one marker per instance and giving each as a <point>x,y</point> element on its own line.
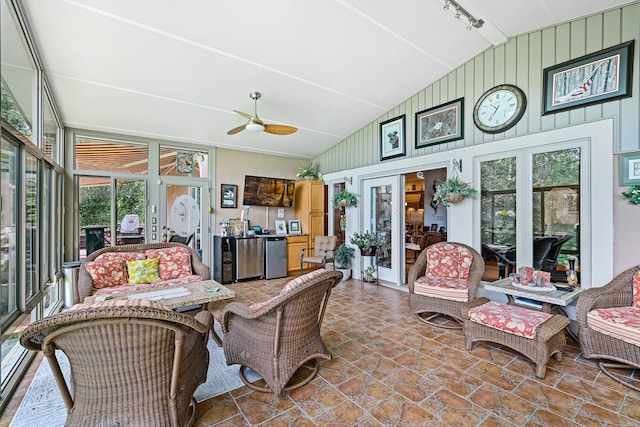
<point>597,77</point>
<point>294,226</point>
<point>281,226</point>
<point>434,227</point>
<point>630,169</point>
<point>229,196</point>
<point>184,162</point>
<point>440,124</point>
<point>392,140</point>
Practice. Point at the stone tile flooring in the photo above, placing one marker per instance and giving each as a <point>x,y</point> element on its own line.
<point>391,369</point>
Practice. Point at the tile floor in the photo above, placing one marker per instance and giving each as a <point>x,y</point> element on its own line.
<point>390,369</point>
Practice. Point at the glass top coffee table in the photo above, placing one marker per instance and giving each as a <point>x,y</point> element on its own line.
<point>548,299</point>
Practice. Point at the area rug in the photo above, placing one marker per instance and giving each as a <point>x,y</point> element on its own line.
<point>42,405</point>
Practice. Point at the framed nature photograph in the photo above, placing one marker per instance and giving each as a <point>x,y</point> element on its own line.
<point>281,226</point>
<point>597,77</point>
<point>392,138</point>
<point>440,124</point>
<point>229,196</point>
<point>630,169</point>
<point>294,226</point>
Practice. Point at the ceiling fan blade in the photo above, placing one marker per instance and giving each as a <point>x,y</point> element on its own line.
<point>236,130</point>
<point>279,129</point>
<point>243,114</point>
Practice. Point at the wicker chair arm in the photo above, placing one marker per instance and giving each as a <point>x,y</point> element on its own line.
<point>617,293</point>
<point>417,269</point>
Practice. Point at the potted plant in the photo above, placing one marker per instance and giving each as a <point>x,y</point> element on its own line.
<point>342,260</point>
<point>310,171</point>
<point>367,241</point>
<point>368,274</point>
<point>345,199</point>
<point>452,190</point>
<point>633,195</point>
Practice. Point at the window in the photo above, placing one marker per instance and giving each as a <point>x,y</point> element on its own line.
<point>183,162</point>
<point>531,218</point>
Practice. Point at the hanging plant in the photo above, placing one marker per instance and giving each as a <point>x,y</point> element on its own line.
<point>452,190</point>
<point>633,195</point>
<point>345,199</point>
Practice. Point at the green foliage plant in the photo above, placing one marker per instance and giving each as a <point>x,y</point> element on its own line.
<point>453,187</point>
<point>367,240</point>
<point>343,256</point>
<point>345,199</point>
<point>633,195</point>
<point>310,171</point>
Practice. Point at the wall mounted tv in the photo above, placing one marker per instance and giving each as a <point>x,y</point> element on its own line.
<point>262,191</point>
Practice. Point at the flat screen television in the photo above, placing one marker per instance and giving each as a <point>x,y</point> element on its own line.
<point>262,191</point>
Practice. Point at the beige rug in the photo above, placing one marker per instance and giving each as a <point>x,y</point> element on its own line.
<point>42,405</point>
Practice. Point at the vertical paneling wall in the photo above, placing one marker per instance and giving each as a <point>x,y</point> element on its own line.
<point>520,61</point>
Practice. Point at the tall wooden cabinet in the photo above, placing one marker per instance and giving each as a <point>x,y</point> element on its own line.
<point>309,207</point>
<point>309,210</point>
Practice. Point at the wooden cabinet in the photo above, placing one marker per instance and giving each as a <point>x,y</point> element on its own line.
<point>309,207</point>
<point>295,245</point>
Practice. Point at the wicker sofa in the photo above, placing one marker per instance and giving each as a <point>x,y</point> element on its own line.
<point>178,264</point>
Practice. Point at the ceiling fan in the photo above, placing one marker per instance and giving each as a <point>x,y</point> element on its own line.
<point>256,125</point>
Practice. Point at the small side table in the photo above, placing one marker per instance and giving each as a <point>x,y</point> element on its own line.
<point>374,261</point>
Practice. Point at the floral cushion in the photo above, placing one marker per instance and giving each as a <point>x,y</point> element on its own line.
<point>448,260</point>
<point>174,262</point>
<point>619,322</point>
<point>509,318</point>
<point>119,303</point>
<point>127,288</point>
<point>110,269</point>
<point>143,271</point>
<point>636,289</point>
<point>438,287</point>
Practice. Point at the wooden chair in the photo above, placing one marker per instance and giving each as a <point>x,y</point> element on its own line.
<point>606,316</point>
<point>435,291</point>
<point>320,254</point>
<point>130,365</point>
<point>276,338</point>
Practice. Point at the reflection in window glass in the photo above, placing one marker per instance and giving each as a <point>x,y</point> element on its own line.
<point>381,201</point>
<point>8,261</point>
<point>182,162</point>
<point>556,207</point>
<point>339,217</point>
<point>110,156</point>
<point>31,207</point>
<point>18,76</point>
<point>131,203</point>
<point>94,209</point>
<point>51,147</point>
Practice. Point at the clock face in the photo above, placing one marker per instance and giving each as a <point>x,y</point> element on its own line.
<point>185,216</point>
<point>499,108</point>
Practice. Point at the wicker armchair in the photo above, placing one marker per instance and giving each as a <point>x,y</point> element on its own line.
<point>428,308</point>
<point>598,345</point>
<point>129,365</point>
<point>282,335</point>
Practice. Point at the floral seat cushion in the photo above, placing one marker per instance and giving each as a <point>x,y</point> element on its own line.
<point>175,262</point>
<point>448,260</point>
<point>119,303</point>
<point>509,318</point>
<point>636,289</point>
<point>127,288</point>
<point>619,322</point>
<point>438,287</point>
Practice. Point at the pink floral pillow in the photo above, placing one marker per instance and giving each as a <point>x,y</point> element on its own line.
<point>636,289</point>
<point>449,261</point>
<point>175,262</point>
<point>110,269</point>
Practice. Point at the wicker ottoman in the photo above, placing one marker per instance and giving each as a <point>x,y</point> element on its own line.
<point>536,335</point>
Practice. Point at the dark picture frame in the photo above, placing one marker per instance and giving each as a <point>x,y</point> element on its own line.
<point>600,76</point>
<point>294,226</point>
<point>629,169</point>
<point>440,124</point>
<point>392,138</point>
<point>228,196</point>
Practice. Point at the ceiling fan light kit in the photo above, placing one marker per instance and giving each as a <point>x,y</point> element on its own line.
<point>256,125</point>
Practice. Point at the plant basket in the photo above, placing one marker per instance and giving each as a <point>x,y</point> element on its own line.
<point>371,252</point>
<point>454,198</point>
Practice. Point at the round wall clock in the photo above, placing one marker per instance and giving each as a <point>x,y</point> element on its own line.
<point>499,108</point>
<point>185,216</point>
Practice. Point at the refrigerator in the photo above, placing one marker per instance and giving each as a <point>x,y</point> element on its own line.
<point>275,257</point>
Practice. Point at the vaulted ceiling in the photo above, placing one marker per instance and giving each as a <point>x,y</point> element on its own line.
<point>176,70</point>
